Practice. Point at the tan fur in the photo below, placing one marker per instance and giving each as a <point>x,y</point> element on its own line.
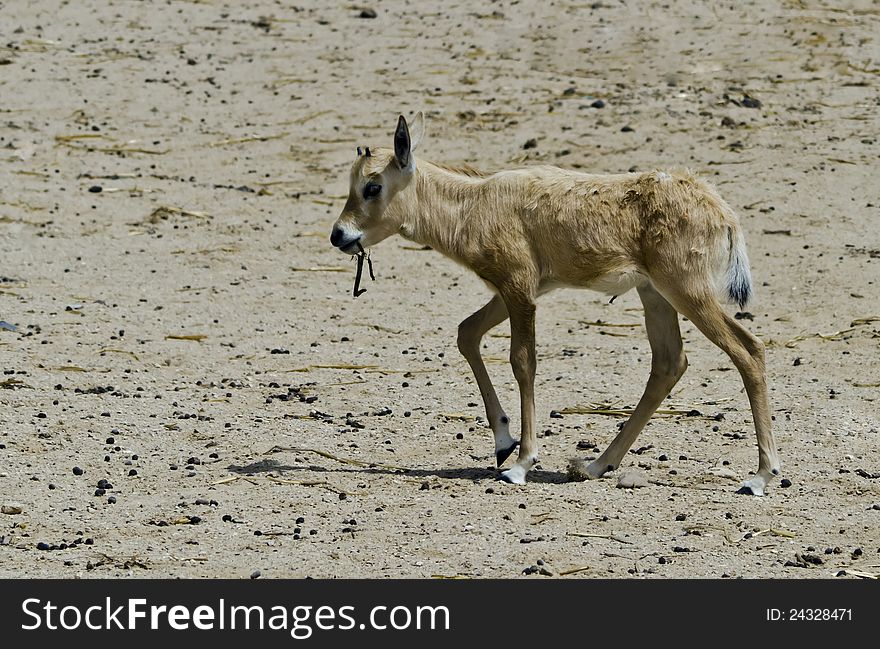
<point>527,231</point>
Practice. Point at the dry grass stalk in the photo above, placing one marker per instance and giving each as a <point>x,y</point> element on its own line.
<point>192,337</point>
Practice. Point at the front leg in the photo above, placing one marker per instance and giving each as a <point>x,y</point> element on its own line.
<point>523,362</point>
<point>470,334</point>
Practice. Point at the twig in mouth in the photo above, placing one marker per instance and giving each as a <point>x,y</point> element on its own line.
<point>361,255</point>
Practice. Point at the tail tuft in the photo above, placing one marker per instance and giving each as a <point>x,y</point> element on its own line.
<point>739,277</point>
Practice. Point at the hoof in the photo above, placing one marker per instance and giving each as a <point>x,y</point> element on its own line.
<point>503,454</point>
<point>580,470</point>
<point>514,475</point>
<point>753,487</point>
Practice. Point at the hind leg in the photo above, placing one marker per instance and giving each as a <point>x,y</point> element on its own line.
<point>747,354</point>
<point>470,333</point>
<point>668,363</point>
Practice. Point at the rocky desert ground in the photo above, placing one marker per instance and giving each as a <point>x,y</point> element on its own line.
<point>190,389</point>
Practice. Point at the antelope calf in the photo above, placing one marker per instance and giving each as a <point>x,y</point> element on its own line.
<point>527,231</point>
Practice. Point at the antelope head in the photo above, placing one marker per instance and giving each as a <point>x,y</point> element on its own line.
<point>376,179</point>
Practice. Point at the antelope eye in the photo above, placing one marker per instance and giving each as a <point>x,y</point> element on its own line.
<point>372,190</point>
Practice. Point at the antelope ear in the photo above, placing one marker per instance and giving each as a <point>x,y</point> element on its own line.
<point>417,131</point>
<point>402,144</point>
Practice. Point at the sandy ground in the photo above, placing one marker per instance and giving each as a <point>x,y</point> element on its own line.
<point>193,311</point>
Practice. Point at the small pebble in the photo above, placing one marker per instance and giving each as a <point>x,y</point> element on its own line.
<point>77,471</point>
<point>367,13</point>
<point>11,508</point>
<point>255,574</point>
<point>42,546</point>
<point>632,479</point>
<point>598,104</point>
<point>785,483</point>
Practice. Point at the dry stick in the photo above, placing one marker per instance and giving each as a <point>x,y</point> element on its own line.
<point>330,456</point>
<point>312,483</point>
<point>571,571</point>
<point>601,536</point>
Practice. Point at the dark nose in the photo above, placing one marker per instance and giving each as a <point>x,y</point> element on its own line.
<point>336,235</point>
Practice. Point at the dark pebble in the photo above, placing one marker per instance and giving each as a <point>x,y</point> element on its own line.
<point>679,548</point>
<point>342,496</point>
<point>598,104</point>
<point>226,518</point>
<point>90,541</point>
<point>77,471</point>
<point>195,520</point>
<point>425,486</point>
<point>300,520</point>
<point>663,458</point>
<point>785,483</point>
<point>96,189</point>
<point>555,414</point>
<point>111,500</point>
<point>111,440</point>
<point>367,13</point>
<point>255,574</point>
<point>661,560</point>
<point>313,532</point>
<point>42,546</point>
<point>681,517</point>
<point>100,492</point>
<point>132,472</point>
<point>531,143</point>
<point>627,129</point>
<point>258,533</point>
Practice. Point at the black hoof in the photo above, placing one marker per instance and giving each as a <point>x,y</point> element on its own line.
<point>503,454</point>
